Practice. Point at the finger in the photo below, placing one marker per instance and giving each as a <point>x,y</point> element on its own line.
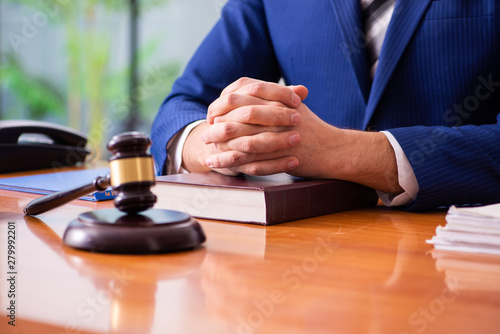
<point>224,131</point>
<point>231,101</point>
<point>234,86</point>
<point>266,115</point>
<point>226,171</point>
<point>238,162</point>
<point>271,91</point>
<point>229,159</point>
<point>268,167</point>
<point>265,142</point>
<point>301,91</point>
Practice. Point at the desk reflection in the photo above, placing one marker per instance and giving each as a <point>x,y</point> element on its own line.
<point>469,272</point>
<point>310,283</point>
<point>126,282</point>
<point>368,274</point>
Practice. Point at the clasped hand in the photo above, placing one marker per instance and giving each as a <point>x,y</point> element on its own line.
<point>261,128</point>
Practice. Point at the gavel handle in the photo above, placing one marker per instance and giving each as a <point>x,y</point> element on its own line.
<point>51,201</point>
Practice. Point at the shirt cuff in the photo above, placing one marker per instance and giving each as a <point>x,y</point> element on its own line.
<point>175,146</point>
<point>406,177</point>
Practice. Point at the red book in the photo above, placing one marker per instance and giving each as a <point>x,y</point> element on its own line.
<point>263,200</point>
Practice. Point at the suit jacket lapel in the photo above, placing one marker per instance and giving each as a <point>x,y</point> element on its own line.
<point>348,14</point>
<point>406,17</point>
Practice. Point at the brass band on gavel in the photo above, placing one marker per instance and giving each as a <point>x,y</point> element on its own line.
<point>128,170</point>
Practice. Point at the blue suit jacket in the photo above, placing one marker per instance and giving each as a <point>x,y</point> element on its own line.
<point>437,86</point>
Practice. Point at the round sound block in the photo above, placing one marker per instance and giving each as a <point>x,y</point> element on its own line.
<point>151,231</point>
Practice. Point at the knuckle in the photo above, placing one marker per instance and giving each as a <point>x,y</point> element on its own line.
<point>228,129</point>
<point>252,169</point>
<point>281,117</point>
<point>246,145</point>
<point>243,81</point>
<point>234,158</point>
<point>255,88</point>
<point>248,114</point>
<point>231,99</point>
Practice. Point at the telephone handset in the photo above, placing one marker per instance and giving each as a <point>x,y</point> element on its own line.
<point>26,145</point>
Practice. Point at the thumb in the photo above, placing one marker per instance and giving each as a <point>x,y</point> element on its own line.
<point>300,90</point>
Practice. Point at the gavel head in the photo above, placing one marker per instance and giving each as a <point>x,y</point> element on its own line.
<point>132,172</point>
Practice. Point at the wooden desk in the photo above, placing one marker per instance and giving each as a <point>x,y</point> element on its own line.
<point>363,271</point>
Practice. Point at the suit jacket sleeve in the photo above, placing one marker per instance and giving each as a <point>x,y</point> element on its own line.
<point>237,46</point>
<point>457,165</point>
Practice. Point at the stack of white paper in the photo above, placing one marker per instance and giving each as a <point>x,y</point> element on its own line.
<point>470,229</point>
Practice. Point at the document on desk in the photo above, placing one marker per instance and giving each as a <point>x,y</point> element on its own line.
<point>45,184</point>
<point>470,229</point>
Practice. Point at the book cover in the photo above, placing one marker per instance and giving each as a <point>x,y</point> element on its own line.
<point>261,200</point>
<point>45,184</point>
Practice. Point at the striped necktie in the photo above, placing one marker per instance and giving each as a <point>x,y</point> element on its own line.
<point>376,16</point>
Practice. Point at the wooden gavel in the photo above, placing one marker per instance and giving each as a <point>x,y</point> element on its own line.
<point>131,176</point>
<point>134,228</point>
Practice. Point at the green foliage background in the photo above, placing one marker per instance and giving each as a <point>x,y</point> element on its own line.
<point>95,98</point>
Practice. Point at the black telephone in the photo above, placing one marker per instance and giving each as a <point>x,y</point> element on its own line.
<point>26,145</point>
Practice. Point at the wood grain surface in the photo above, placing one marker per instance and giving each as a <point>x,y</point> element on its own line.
<point>360,271</point>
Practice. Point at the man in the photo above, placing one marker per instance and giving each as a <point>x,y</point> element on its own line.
<point>433,87</point>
